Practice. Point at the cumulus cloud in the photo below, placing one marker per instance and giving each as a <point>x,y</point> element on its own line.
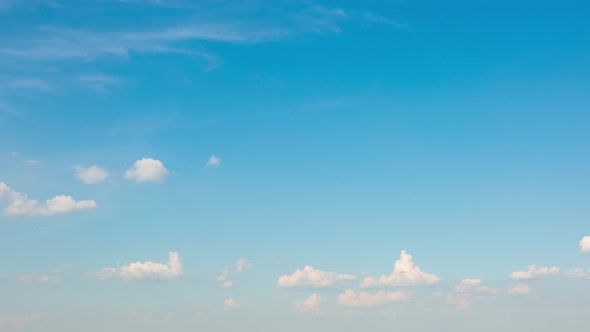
<point>222,279</point>
<point>213,161</point>
<point>578,274</point>
<point>519,290</point>
<point>15,321</point>
<point>144,270</point>
<point>350,299</point>
<point>147,170</point>
<point>405,273</point>
<point>585,244</point>
<point>312,304</point>
<point>310,277</point>
<point>19,205</point>
<point>229,304</point>
<point>242,264</point>
<point>533,272</point>
<point>91,175</point>
<point>467,291</point>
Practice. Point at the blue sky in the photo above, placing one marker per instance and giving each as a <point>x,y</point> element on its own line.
<point>294,165</point>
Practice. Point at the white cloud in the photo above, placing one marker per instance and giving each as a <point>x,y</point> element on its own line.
<point>350,299</point>
<point>311,304</point>
<point>16,322</point>
<point>534,272</point>
<point>99,82</point>
<point>222,279</point>
<point>578,274</point>
<point>91,175</point>
<point>144,270</point>
<point>147,170</point>
<point>521,289</point>
<point>213,161</point>
<point>32,279</point>
<point>19,205</point>
<point>468,290</point>
<point>585,244</point>
<point>230,303</point>
<point>474,285</point>
<point>405,273</point>
<point>242,264</point>
<point>310,277</point>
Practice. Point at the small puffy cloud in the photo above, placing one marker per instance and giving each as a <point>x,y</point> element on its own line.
<point>533,272</point>
<point>312,304</point>
<point>474,285</point>
<point>578,274</point>
<point>242,264</point>
<point>91,175</point>
<point>229,304</point>
<point>585,244</point>
<point>366,300</point>
<point>16,322</point>
<point>19,205</point>
<point>405,273</point>
<point>144,270</point>
<point>521,289</point>
<point>147,170</point>
<point>222,279</point>
<point>467,291</point>
<point>213,161</point>
<point>310,277</point>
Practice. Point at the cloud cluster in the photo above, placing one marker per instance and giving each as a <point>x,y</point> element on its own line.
<point>534,272</point>
<point>367,300</point>
<point>19,205</point>
<point>91,175</point>
<point>310,277</point>
<point>147,170</point>
<point>144,270</point>
<point>404,273</point>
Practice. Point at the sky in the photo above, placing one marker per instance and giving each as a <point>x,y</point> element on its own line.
<point>310,165</point>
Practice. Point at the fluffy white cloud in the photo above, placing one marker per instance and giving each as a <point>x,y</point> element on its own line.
<point>213,161</point>
<point>467,290</point>
<point>310,277</point>
<point>350,299</point>
<point>585,244</point>
<point>242,264</point>
<point>230,303</point>
<point>534,272</point>
<point>144,270</point>
<point>578,274</point>
<point>19,205</point>
<point>519,290</point>
<point>311,304</point>
<point>405,273</point>
<point>147,170</point>
<point>16,322</point>
<point>91,175</point>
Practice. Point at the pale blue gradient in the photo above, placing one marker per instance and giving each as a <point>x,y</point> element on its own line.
<point>348,131</point>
